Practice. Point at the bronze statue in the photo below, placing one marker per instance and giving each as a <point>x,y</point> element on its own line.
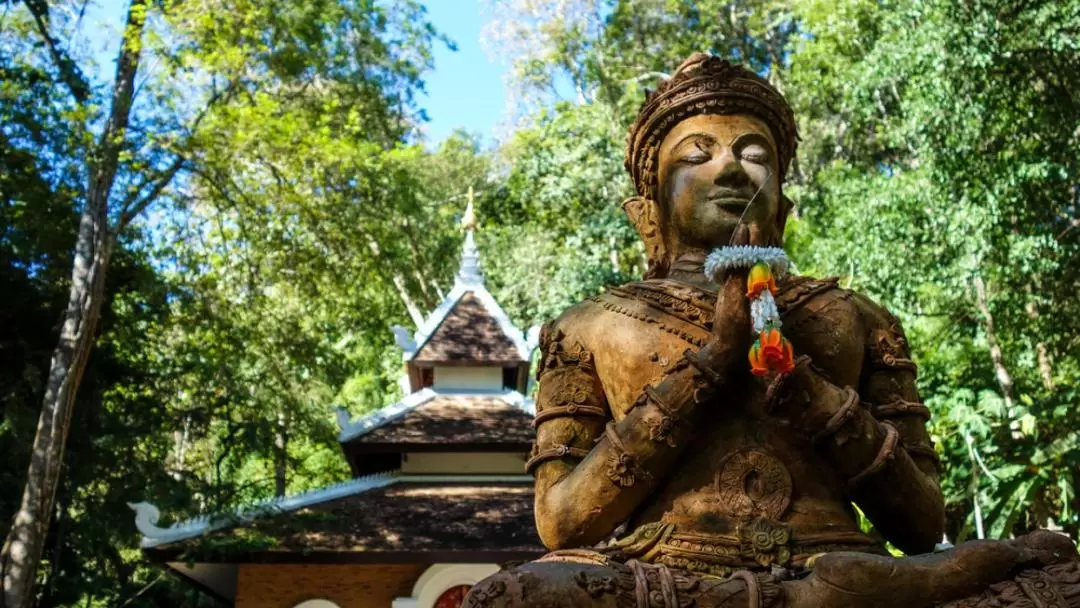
<point>691,480</point>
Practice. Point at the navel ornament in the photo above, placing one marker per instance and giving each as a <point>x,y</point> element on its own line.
<point>771,351</point>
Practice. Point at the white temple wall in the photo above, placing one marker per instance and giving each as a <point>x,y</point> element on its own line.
<point>463,463</point>
<point>468,379</point>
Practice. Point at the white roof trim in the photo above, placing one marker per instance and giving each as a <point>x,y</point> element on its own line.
<point>147,515</point>
<point>351,429</point>
<point>520,401</point>
<point>504,322</point>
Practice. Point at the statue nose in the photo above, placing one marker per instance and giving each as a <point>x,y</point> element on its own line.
<point>729,171</point>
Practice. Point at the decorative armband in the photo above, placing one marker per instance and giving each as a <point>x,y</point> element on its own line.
<point>555,452</point>
<point>900,363</point>
<point>840,418</point>
<point>923,450</point>
<point>889,349</point>
<point>622,468</point>
<point>900,407</point>
<point>662,429</point>
<point>571,410</point>
<point>694,359</point>
<point>885,453</point>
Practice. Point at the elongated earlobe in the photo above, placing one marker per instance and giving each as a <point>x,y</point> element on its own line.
<point>644,214</point>
<point>784,209</point>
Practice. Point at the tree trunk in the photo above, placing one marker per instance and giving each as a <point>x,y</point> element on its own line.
<point>93,247</point>
<point>281,455</point>
<point>181,444</point>
<point>398,280</point>
<point>26,539</point>
<point>1001,372</point>
<point>1046,367</point>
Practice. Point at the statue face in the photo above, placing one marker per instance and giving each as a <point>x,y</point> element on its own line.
<point>711,166</point>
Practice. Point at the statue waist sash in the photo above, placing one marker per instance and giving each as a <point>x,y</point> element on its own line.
<point>760,544</point>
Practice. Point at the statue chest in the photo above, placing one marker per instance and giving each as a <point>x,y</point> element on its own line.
<point>641,330</point>
<point>636,331</point>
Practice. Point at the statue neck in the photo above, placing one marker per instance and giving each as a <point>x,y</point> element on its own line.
<point>689,267</point>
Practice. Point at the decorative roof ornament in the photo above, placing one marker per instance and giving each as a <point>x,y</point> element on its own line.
<point>469,273</point>
<point>468,280</point>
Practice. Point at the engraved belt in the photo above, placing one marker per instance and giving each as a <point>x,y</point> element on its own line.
<point>760,545</point>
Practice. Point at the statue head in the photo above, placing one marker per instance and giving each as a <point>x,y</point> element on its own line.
<point>710,149</point>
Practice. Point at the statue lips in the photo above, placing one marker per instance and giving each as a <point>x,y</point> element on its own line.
<point>730,200</point>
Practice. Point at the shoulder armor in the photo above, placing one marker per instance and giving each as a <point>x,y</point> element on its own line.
<point>886,342</point>
<point>795,292</point>
<point>559,350</point>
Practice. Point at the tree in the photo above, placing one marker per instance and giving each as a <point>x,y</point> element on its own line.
<point>943,134</point>
<point>93,247</point>
<point>147,140</point>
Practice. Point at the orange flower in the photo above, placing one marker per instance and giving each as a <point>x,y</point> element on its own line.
<point>759,366</point>
<point>771,352</point>
<point>786,362</point>
<point>760,279</point>
<point>772,342</point>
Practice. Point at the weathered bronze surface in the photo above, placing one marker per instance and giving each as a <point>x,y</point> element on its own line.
<point>691,481</point>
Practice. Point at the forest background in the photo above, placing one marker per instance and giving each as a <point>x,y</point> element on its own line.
<point>275,211</point>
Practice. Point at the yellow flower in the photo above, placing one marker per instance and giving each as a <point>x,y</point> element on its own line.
<point>760,279</point>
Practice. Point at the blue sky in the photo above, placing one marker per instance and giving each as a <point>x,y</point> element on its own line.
<point>465,89</point>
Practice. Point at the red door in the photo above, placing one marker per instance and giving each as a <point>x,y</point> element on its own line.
<point>452,597</point>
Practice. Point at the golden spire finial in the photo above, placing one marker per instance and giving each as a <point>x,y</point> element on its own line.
<point>468,221</point>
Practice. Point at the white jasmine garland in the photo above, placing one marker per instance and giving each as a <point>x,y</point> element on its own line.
<point>723,259</point>
<point>763,311</point>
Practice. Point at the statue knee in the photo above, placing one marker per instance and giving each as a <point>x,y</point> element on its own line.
<point>490,592</point>
<point>546,584</point>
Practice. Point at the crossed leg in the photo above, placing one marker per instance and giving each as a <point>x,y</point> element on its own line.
<point>589,579</point>
<point>1040,570</point>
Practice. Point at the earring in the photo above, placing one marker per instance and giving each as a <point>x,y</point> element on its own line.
<point>644,214</point>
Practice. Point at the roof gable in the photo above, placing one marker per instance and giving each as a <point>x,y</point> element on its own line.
<point>468,325</point>
<point>469,333</point>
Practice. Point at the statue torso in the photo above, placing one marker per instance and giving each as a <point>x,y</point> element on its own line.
<point>748,486</point>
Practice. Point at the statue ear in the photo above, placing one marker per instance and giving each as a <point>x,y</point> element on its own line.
<point>644,214</point>
<point>782,212</point>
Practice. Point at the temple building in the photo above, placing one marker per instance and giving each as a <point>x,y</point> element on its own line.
<point>438,497</point>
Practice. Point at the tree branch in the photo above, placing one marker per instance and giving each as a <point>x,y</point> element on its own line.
<point>133,205</point>
<point>1001,373</point>
<point>70,74</point>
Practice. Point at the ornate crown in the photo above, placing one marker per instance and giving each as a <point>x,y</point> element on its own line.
<point>705,84</point>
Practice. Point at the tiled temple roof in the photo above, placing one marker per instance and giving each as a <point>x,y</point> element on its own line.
<point>469,333</point>
<point>468,326</point>
<point>386,522</point>
<point>462,419</point>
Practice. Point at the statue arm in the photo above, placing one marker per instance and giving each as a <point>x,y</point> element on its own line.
<point>903,501</point>
<point>876,436</point>
<point>591,471</point>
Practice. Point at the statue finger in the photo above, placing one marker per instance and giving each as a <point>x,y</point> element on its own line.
<point>741,236</point>
<point>757,235</point>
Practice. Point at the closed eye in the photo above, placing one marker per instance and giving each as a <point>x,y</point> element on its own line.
<point>698,154</point>
<point>755,153</point>
<point>696,158</point>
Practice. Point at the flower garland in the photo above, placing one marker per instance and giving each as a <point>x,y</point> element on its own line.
<point>771,351</point>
